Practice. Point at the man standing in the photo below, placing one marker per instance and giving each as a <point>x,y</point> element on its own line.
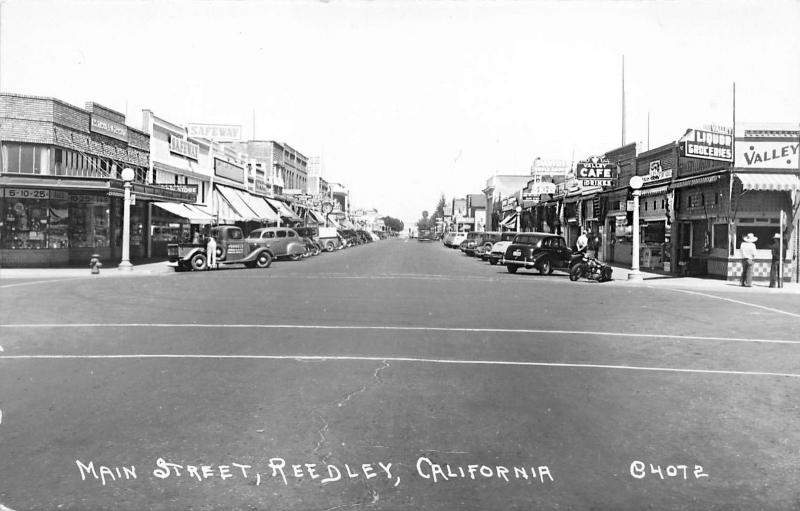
<point>775,277</point>
<point>748,249</point>
<point>211,251</point>
<point>582,243</point>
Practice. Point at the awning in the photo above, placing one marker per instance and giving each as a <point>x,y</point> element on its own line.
<point>193,213</point>
<point>283,210</point>
<point>334,223</point>
<point>683,183</point>
<point>317,216</point>
<point>509,221</point>
<point>769,182</point>
<point>656,190</point>
<point>260,207</point>
<point>237,202</point>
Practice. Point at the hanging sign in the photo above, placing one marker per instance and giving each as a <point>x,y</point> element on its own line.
<point>595,171</point>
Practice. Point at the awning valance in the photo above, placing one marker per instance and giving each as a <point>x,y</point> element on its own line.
<point>769,182</point>
<point>234,198</point>
<point>194,214</point>
<point>656,190</point>
<point>683,183</point>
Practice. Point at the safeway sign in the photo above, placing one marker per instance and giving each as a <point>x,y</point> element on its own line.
<point>595,171</point>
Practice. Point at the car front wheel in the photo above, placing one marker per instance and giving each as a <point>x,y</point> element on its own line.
<point>295,257</point>
<point>512,268</point>
<point>264,260</point>
<point>545,268</point>
<point>198,262</point>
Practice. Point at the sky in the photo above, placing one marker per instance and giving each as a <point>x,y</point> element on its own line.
<point>408,100</point>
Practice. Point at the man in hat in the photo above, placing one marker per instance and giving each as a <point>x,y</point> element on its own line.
<point>775,279</point>
<point>748,249</point>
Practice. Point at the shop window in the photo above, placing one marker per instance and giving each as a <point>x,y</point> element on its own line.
<point>764,233</point>
<point>24,158</point>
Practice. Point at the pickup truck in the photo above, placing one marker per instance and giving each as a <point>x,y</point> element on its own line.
<point>232,248</point>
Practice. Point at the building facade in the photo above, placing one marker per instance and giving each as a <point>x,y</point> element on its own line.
<point>60,182</point>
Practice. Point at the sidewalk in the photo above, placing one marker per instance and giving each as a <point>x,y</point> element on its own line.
<point>661,279</point>
<point>138,270</point>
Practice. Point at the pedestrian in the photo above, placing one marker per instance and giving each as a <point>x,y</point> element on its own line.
<point>748,249</point>
<point>211,251</point>
<point>582,243</point>
<point>775,277</point>
<point>597,241</point>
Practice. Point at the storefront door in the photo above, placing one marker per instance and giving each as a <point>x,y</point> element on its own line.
<point>685,232</point>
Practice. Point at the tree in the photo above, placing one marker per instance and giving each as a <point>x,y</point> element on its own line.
<point>393,224</point>
<point>439,213</point>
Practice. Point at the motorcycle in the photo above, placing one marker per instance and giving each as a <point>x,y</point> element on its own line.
<point>584,265</point>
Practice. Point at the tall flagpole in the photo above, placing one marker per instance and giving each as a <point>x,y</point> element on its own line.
<point>623,100</point>
<point>731,230</point>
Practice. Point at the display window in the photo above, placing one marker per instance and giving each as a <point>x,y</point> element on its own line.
<point>35,219</point>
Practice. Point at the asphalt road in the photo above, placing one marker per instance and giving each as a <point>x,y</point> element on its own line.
<point>396,375</point>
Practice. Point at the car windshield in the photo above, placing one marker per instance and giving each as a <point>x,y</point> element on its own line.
<point>529,239</point>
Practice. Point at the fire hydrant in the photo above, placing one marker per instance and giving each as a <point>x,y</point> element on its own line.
<point>95,264</point>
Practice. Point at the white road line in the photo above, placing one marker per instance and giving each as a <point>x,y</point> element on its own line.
<point>401,329</point>
<point>337,358</point>
<point>735,301</point>
<point>5,286</point>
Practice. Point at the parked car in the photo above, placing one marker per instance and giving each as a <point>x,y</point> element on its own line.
<point>447,238</point>
<point>498,249</point>
<point>349,237</point>
<point>473,239</point>
<point>232,247</point>
<point>455,239</point>
<point>364,236</point>
<point>483,248</point>
<point>311,236</point>
<point>542,251</point>
<point>283,242</point>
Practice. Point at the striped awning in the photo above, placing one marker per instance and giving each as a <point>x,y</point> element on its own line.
<point>683,183</point>
<point>283,210</point>
<point>769,182</point>
<point>195,214</point>
<point>509,221</point>
<point>656,190</point>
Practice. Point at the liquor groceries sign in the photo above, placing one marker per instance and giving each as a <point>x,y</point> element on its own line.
<point>707,145</point>
<point>595,171</point>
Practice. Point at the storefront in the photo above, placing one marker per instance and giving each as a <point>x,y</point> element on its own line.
<point>47,222</point>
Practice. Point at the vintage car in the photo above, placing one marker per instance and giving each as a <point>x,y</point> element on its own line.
<point>542,251</point>
<point>311,237</point>
<point>473,239</point>
<point>483,248</point>
<point>498,249</point>
<point>232,247</point>
<point>282,241</point>
<point>454,239</point>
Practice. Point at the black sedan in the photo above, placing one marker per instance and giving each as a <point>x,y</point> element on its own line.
<point>542,251</point>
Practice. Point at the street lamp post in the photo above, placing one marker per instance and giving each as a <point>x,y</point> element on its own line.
<point>125,264</point>
<point>636,184</point>
<point>518,210</point>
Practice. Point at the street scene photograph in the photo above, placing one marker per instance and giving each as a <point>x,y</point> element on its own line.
<point>399,255</point>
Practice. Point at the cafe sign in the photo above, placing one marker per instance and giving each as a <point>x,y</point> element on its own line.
<point>595,171</point>
<point>707,145</point>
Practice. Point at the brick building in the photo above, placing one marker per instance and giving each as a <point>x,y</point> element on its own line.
<point>60,182</point>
